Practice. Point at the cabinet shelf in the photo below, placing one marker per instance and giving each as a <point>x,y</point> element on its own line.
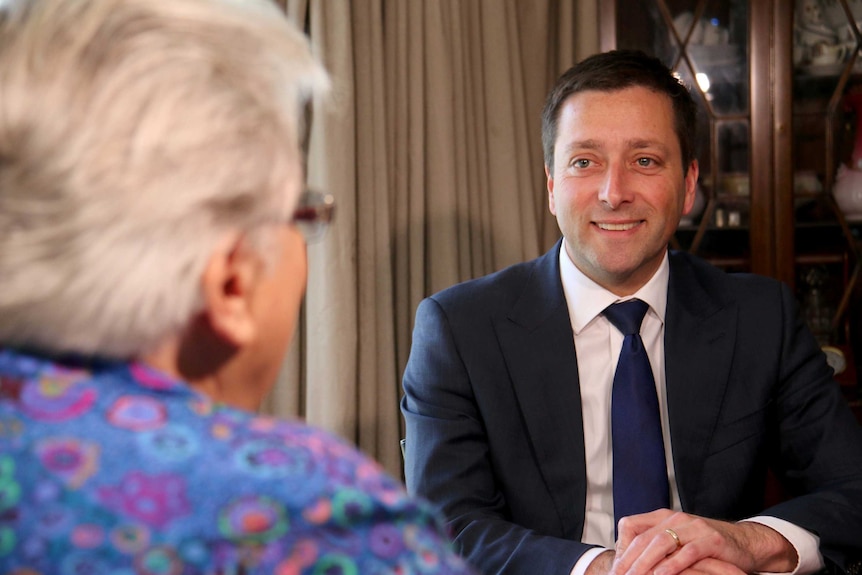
<point>820,259</point>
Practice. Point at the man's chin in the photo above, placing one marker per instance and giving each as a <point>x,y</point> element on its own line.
<point>619,274</point>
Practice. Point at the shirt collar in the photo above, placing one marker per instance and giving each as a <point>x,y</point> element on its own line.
<point>586,299</point>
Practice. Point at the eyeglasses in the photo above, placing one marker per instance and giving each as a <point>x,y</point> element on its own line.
<point>313,214</point>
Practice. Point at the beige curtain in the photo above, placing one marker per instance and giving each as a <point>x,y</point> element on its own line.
<point>431,144</point>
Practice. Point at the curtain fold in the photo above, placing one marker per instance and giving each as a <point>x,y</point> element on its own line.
<point>431,144</point>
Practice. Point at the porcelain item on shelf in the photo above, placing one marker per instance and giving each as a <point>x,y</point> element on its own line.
<point>834,16</point>
<point>828,54</point>
<point>806,182</point>
<point>848,181</point>
<point>848,192</point>
<point>735,183</point>
<point>818,39</point>
<point>817,18</point>
<point>706,31</point>
<point>835,358</point>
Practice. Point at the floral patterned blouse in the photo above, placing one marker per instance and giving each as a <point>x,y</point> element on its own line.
<point>114,468</point>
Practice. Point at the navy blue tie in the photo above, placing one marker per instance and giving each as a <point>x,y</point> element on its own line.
<point>640,472</point>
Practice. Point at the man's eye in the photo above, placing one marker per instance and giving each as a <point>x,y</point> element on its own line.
<point>645,162</point>
<point>581,163</point>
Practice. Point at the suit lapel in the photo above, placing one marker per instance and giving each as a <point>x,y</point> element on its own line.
<point>537,342</point>
<point>699,340</point>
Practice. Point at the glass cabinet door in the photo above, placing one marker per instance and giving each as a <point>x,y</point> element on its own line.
<point>779,85</point>
<point>707,44</point>
<point>827,163</point>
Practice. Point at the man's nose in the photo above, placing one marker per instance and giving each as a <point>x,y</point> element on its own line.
<point>615,189</point>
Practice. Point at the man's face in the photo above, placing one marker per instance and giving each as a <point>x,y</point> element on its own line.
<point>618,187</point>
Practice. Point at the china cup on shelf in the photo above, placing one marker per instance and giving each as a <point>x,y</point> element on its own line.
<point>823,54</point>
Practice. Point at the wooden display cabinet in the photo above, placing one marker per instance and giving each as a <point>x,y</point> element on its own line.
<point>775,82</point>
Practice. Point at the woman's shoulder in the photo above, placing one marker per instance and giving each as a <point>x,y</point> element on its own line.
<point>138,467</point>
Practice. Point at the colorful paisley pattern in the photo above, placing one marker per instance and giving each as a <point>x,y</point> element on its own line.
<point>116,468</point>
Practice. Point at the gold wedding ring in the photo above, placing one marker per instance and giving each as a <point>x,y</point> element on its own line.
<point>673,534</point>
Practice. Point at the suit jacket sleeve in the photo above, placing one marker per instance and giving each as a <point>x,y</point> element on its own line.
<point>820,444</point>
<point>749,390</point>
<point>449,460</point>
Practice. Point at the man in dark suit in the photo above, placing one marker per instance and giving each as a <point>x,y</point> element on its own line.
<point>508,387</point>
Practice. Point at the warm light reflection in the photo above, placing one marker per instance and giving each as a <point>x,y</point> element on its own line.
<point>702,81</point>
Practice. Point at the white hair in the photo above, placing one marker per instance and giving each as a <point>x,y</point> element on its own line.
<point>134,136</point>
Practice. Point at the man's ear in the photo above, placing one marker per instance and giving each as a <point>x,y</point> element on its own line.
<point>552,205</point>
<point>228,283</point>
<point>691,176</point>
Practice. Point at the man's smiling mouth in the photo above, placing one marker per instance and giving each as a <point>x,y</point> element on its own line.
<point>617,227</point>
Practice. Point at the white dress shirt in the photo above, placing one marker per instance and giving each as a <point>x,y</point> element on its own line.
<point>597,345</point>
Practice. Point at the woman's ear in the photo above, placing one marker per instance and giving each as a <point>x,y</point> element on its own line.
<point>228,283</point>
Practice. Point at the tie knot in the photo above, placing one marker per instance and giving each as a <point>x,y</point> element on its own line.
<point>627,315</point>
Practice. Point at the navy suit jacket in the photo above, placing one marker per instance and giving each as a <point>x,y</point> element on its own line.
<point>494,426</point>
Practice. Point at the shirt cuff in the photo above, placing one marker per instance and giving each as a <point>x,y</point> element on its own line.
<point>586,559</point>
<point>807,544</point>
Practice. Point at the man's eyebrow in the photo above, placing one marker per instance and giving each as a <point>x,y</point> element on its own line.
<point>582,145</point>
<point>633,144</point>
<point>641,144</point>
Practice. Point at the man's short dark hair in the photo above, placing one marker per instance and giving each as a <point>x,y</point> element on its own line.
<point>617,70</point>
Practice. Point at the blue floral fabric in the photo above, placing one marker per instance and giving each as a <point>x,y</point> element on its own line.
<point>115,468</point>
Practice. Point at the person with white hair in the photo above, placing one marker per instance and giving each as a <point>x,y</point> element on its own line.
<point>152,267</point>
